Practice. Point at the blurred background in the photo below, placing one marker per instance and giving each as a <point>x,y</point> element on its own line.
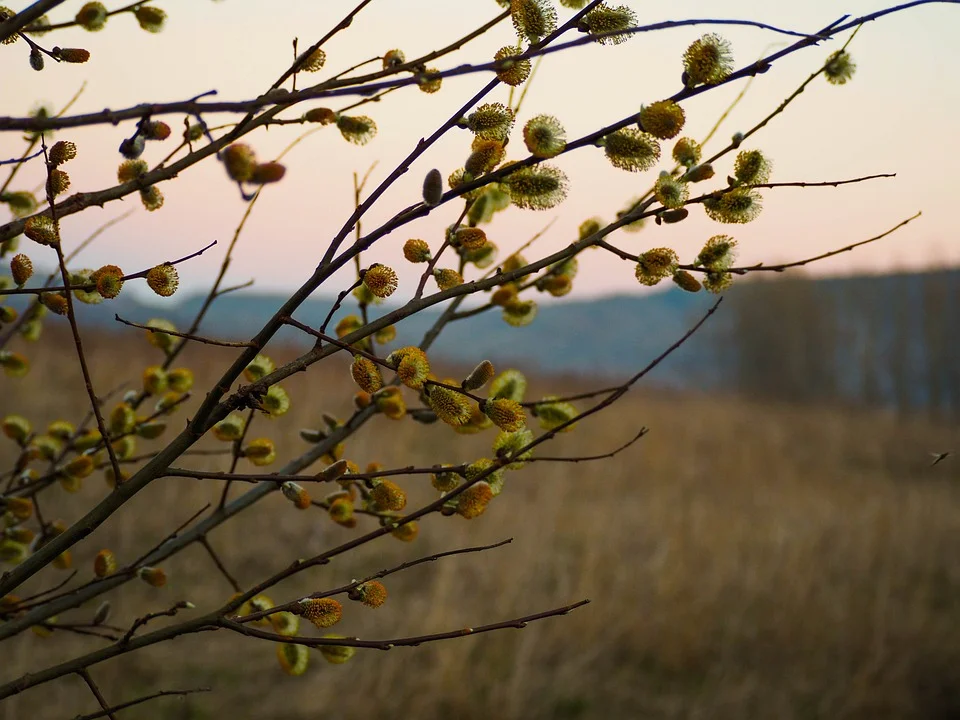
<point>778,545</point>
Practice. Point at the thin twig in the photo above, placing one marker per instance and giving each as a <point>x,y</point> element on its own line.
<point>143,620</point>
<point>435,258</point>
<point>589,458</point>
<point>50,591</point>
<point>67,287</point>
<point>205,542</point>
<point>236,452</point>
<point>761,267</point>
<point>301,565</point>
<point>274,477</point>
<point>187,336</point>
<point>96,692</point>
<point>98,232</point>
<point>22,159</point>
<point>138,701</point>
<point>368,85</point>
<point>518,623</point>
<point>72,318</point>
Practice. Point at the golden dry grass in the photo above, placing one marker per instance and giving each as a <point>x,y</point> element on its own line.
<point>743,561</point>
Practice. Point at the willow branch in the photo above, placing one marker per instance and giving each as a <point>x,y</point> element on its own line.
<point>517,623</point>
<point>143,620</point>
<point>196,108</point>
<point>67,287</point>
<point>301,565</point>
<point>27,16</point>
<point>22,159</point>
<point>318,478</point>
<point>590,458</point>
<point>187,336</point>
<point>74,328</point>
<point>366,85</point>
<point>96,693</point>
<point>205,542</point>
<point>138,701</point>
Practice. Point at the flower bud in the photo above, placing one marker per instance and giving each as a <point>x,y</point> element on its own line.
<point>432,188</point>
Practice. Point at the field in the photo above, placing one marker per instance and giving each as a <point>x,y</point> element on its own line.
<point>742,561</point>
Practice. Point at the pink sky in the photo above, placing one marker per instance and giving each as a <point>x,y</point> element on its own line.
<point>899,114</point>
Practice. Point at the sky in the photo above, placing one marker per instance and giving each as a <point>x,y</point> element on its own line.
<point>898,114</point>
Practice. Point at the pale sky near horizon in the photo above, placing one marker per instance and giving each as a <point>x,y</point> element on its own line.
<point>898,114</point>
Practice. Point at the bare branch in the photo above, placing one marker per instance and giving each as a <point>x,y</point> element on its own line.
<point>138,701</point>
<point>144,619</point>
<point>23,159</point>
<point>27,16</point>
<point>589,458</point>
<point>517,623</point>
<point>67,287</point>
<point>187,336</point>
<point>319,477</point>
<point>96,692</point>
<point>72,318</point>
<point>205,542</point>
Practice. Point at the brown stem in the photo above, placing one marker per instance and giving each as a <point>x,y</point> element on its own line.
<point>72,318</point>
<point>138,701</point>
<point>518,623</point>
<point>82,672</point>
<point>187,336</point>
<point>205,542</point>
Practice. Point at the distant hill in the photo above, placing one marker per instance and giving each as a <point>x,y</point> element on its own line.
<point>885,339</point>
<point>608,336</point>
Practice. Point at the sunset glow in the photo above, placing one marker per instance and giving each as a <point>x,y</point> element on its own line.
<point>896,115</point>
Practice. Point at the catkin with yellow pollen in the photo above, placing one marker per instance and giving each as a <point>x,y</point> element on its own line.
<point>511,71</point>
<point>380,280</point>
<point>474,500</point>
<point>322,612</point>
<point>470,238</point>
<point>387,495</point>
<point>366,374</point>
<point>506,414</point>
<point>358,129</point>
<point>163,279</point>
<point>451,407</point>
<point>416,250</point>
<point>707,61</point>
<point>21,267</point>
<point>371,593</point>
<point>663,119</point>
<point>544,136</point>
<point>631,149</point>
<point>411,364</point>
<point>109,281</point>
<point>539,187</point>
<point>491,121</point>
<point>61,152</point>
<point>533,19</point>
<point>486,154</point>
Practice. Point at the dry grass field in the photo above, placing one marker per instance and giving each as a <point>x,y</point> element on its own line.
<point>742,561</point>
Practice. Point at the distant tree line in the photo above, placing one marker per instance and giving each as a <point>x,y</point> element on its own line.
<point>889,341</point>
